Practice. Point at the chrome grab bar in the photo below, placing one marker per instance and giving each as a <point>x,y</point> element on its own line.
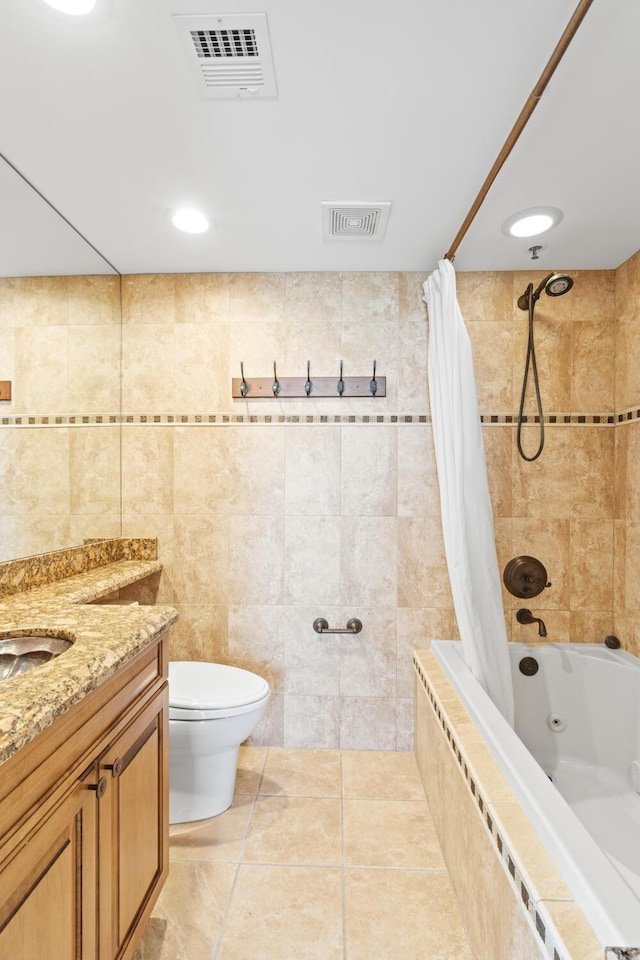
<point>320,625</point>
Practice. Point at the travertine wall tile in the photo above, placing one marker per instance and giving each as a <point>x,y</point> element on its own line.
<point>41,364</point>
<point>201,298</point>
<point>367,723</point>
<point>202,570</point>
<point>592,460</point>
<point>255,551</point>
<point>256,297</point>
<point>149,298</point>
<point>369,471</point>
<point>148,383</point>
<point>94,369</point>
<point>593,365</point>
<point>312,470</point>
<point>591,565</point>
<point>257,640</point>
<point>201,469</point>
<point>312,570</point>
<point>492,345</point>
<point>369,551</point>
<point>313,298</point>
<point>418,491</point>
<point>368,659</point>
<point>147,477</point>
<point>324,518</point>
<point>423,578</point>
<point>311,721</point>
<point>311,660</point>
<point>542,489</point>
<point>94,470</point>
<point>200,363</point>
<point>93,300</point>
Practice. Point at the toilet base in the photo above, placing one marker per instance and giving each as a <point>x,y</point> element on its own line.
<point>200,790</point>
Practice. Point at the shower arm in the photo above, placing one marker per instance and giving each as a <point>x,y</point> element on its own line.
<point>523,118</point>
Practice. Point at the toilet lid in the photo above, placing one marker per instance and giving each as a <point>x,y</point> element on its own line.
<point>198,685</point>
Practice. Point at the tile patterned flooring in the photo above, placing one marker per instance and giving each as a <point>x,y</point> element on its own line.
<point>324,854</point>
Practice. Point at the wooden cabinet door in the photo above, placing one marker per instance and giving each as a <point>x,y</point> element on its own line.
<point>134,828</point>
<point>48,887</point>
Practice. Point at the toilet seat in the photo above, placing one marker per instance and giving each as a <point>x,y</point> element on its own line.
<point>208,691</point>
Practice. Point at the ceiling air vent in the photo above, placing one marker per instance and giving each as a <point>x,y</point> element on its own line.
<point>354,221</point>
<point>230,55</point>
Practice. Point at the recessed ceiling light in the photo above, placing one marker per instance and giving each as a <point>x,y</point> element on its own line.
<point>74,7</point>
<point>532,222</point>
<point>189,220</point>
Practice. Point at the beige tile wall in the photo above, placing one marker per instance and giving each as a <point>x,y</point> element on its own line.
<point>60,347</point>
<point>263,527</point>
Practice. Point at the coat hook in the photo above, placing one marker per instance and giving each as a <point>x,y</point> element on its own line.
<point>276,383</point>
<point>373,385</point>
<point>308,385</point>
<point>341,381</point>
<point>244,386</point>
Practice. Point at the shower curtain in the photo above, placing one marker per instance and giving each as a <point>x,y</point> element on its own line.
<point>467,520</point>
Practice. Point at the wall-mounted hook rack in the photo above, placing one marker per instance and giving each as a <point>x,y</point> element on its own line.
<point>286,388</point>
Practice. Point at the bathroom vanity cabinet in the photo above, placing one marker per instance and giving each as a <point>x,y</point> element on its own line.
<point>84,821</point>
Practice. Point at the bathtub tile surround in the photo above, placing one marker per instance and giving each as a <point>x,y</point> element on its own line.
<point>496,862</point>
<point>325,853</point>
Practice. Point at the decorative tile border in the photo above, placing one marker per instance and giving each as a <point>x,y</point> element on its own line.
<point>628,415</point>
<point>55,420</point>
<point>543,928</point>
<point>562,419</point>
<point>225,419</point>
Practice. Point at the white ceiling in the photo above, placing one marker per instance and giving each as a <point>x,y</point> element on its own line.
<point>408,102</point>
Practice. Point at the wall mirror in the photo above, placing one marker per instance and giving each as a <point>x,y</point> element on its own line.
<point>60,346</point>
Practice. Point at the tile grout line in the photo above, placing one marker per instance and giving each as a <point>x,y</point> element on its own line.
<point>223,925</point>
<point>343,871</point>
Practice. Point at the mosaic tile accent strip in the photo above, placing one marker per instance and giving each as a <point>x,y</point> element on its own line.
<point>487,419</point>
<point>628,415</point>
<point>28,572</point>
<point>543,930</point>
<point>561,419</point>
<point>73,420</point>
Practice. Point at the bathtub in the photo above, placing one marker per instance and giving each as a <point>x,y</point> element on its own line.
<point>573,763</point>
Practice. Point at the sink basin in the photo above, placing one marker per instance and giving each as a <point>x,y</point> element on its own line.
<point>19,654</point>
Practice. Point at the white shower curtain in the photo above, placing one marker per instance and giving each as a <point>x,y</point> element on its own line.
<point>467,520</point>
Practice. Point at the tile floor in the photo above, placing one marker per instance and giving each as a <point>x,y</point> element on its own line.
<point>324,854</point>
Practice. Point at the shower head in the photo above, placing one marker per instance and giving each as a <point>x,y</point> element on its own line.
<point>554,285</point>
<point>557,284</point>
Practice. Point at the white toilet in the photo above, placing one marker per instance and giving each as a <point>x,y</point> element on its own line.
<point>212,709</point>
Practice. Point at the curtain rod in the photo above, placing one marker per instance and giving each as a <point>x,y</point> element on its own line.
<point>523,118</point>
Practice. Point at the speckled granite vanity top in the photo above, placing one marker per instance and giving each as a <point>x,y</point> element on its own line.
<point>105,637</point>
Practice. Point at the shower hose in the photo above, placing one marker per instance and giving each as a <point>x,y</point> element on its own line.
<point>530,364</point>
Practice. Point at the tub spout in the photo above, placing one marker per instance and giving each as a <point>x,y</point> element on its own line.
<point>525,616</point>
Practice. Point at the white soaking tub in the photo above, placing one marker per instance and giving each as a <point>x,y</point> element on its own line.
<point>573,763</point>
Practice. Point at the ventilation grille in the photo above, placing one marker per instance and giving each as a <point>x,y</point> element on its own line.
<point>225,43</point>
<point>230,56</point>
<point>354,221</point>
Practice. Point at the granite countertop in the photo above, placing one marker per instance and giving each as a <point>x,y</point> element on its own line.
<point>105,637</point>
